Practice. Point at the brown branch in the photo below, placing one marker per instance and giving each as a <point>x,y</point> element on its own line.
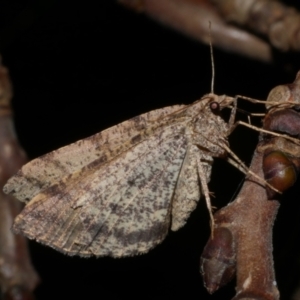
<point>191,17</point>
<point>249,219</point>
<point>242,240</point>
<point>279,23</point>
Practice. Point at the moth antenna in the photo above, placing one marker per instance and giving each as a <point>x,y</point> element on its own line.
<point>211,59</point>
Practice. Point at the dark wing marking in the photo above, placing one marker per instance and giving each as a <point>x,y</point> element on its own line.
<point>100,148</point>
<point>120,209</point>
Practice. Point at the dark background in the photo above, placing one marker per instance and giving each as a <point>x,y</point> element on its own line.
<point>82,67</point>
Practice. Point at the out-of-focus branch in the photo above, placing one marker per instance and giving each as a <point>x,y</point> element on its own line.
<point>191,17</point>
<point>281,24</point>
<point>17,276</point>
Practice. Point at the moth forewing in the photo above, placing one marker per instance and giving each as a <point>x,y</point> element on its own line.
<point>120,209</point>
<point>91,152</point>
<point>117,192</point>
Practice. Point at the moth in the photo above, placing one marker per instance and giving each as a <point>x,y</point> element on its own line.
<point>118,192</point>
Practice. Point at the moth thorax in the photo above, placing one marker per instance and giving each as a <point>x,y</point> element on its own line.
<point>210,133</point>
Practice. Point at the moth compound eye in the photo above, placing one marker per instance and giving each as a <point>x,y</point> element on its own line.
<point>279,171</point>
<point>214,106</point>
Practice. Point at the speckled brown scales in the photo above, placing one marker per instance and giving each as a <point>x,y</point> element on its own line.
<point>118,192</point>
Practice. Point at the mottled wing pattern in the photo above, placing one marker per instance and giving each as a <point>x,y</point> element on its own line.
<point>122,208</point>
<point>98,149</point>
<point>187,191</point>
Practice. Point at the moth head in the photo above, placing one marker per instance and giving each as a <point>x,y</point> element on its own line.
<point>217,103</point>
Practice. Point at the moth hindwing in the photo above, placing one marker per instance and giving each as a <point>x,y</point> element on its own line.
<point>119,191</point>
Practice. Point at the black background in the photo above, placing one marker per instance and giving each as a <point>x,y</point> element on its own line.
<point>79,67</point>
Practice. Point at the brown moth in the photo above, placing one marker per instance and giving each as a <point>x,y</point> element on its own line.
<point>119,191</point>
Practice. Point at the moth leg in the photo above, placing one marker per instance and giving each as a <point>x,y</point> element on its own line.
<point>205,189</point>
<point>249,114</point>
<point>274,104</point>
<point>294,140</point>
<point>236,162</point>
<point>252,100</point>
<point>234,109</point>
<point>233,113</point>
<point>237,165</point>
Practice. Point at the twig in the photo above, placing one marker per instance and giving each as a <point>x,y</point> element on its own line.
<point>242,242</point>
